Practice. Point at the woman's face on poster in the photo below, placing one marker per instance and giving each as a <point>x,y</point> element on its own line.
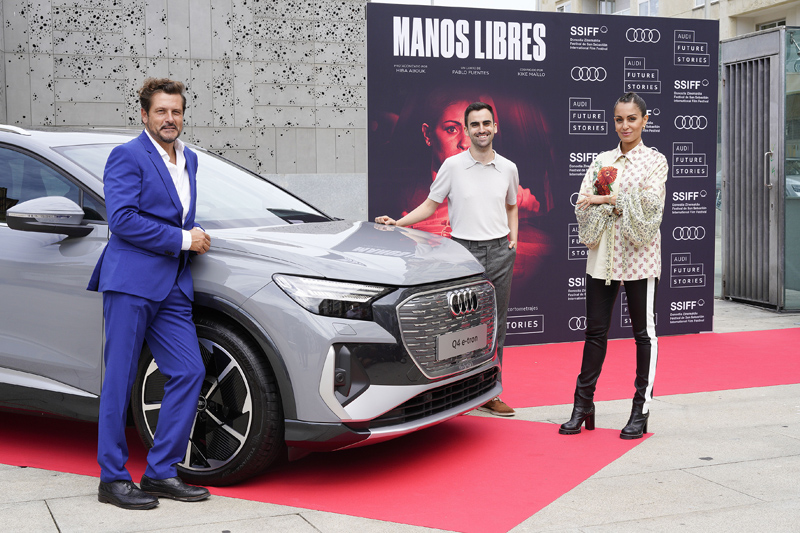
<point>446,136</point>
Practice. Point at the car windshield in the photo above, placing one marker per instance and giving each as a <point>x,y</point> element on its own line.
<point>227,196</point>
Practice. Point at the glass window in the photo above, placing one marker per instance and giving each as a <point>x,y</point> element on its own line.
<point>566,7</point>
<point>231,197</point>
<point>648,8</point>
<point>768,25</point>
<point>227,196</point>
<point>791,256</point>
<point>605,7</point>
<point>23,178</point>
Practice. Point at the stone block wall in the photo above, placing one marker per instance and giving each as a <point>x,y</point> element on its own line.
<point>278,86</point>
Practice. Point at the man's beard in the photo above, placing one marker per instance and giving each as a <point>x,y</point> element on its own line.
<point>163,138</point>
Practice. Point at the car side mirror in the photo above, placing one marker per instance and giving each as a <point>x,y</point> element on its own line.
<point>49,214</point>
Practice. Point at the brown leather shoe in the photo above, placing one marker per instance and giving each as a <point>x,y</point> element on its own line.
<point>497,407</point>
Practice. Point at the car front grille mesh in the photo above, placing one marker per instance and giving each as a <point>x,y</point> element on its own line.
<point>426,316</point>
<point>438,400</point>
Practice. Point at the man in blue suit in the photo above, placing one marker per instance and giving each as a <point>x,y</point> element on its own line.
<point>146,282</point>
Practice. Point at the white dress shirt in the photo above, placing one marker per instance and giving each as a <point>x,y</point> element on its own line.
<point>180,177</point>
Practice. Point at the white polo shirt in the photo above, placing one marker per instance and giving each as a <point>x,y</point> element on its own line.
<point>477,195</point>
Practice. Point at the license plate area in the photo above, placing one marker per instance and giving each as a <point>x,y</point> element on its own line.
<point>457,343</point>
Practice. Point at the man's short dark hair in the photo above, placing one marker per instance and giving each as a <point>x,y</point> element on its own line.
<point>635,98</point>
<point>164,85</point>
<point>476,106</point>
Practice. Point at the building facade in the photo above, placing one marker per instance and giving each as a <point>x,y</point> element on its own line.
<point>278,86</point>
<point>736,17</point>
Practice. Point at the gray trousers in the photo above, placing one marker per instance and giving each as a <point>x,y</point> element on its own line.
<point>498,261</point>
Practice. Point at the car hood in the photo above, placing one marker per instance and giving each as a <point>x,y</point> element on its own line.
<point>357,251</point>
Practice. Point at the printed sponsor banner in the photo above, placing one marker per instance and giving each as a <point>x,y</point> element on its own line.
<point>552,79</point>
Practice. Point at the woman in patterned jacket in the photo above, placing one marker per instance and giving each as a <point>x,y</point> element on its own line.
<point>619,213</point>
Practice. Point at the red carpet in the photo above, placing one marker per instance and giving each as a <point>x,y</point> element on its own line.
<point>435,477</point>
<point>432,478</point>
<point>545,374</point>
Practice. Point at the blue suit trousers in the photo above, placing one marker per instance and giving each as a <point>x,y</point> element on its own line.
<point>171,336</point>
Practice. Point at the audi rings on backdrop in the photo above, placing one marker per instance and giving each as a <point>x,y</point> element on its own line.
<point>588,73</point>
<point>577,323</point>
<point>462,301</point>
<point>689,233</point>
<point>691,122</point>
<point>642,35</point>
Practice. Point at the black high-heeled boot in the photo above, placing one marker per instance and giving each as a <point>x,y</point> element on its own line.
<point>580,413</point>
<point>637,424</point>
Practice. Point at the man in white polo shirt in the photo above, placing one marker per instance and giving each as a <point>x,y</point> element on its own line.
<point>481,189</point>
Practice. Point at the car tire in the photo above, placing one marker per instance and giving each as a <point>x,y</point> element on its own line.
<point>238,431</point>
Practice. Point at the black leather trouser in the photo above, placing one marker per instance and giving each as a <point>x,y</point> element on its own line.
<point>600,298</point>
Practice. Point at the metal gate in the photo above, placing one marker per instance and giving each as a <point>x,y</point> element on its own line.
<point>752,168</point>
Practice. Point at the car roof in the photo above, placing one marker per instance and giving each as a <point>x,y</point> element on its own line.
<point>66,136</point>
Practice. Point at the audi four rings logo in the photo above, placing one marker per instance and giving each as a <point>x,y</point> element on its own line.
<point>462,301</point>
<point>691,122</point>
<point>689,233</point>
<point>577,323</point>
<point>588,73</point>
<point>642,35</point>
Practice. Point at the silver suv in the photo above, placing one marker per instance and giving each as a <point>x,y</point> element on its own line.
<point>317,334</point>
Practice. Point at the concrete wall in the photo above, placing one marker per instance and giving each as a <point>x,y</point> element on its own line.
<point>278,86</point>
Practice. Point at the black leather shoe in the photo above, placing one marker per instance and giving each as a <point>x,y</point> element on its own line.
<point>580,414</point>
<point>174,488</point>
<point>125,494</point>
<point>636,426</point>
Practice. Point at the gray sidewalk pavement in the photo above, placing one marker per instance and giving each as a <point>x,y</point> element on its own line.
<point>726,461</point>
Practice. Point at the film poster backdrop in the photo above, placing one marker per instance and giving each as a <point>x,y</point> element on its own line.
<point>552,79</point>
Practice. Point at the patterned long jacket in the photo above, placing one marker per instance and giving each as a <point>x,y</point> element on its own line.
<point>627,246</point>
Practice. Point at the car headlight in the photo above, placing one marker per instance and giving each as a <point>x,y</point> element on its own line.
<point>331,298</point>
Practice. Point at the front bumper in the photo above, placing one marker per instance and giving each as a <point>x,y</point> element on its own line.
<point>431,406</point>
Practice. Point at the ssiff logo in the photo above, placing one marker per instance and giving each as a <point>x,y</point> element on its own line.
<point>587,31</point>
<point>688,196</point>
<point>689,52</point>
<point>690,85</point>
<point>688,305</point>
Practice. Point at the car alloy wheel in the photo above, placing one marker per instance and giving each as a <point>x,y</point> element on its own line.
<point>238,429</point>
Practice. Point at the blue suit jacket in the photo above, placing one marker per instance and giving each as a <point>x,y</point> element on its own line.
<point>143,256</point>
